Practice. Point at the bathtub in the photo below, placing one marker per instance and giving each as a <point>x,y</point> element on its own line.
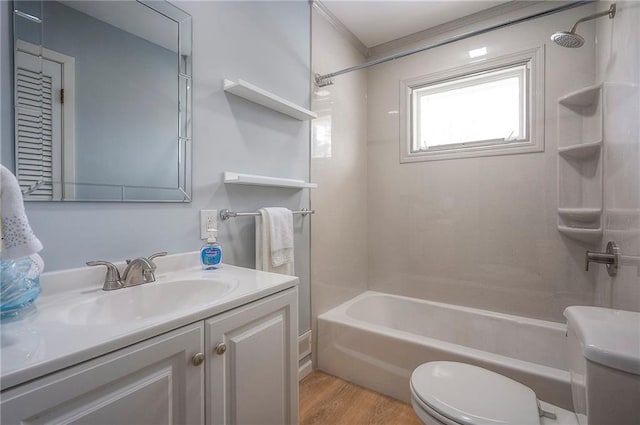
<point>376,340</point>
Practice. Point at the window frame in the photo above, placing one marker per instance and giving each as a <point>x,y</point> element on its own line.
<point>534,109</point>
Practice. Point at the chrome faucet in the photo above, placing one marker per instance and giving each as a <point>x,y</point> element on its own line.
<point>138,271</point>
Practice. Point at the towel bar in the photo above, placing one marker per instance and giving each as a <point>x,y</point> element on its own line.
<point>226,214</point>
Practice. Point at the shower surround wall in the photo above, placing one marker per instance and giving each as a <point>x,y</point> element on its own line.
<point>338,165</point>
<point>266,43</point>
<point>618,53</point>
<point>479,232</point>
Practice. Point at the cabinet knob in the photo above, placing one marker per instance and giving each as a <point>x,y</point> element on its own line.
<point>220,349</point>
<point>198,359</point>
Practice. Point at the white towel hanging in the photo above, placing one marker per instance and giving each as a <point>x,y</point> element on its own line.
<point>274,241</point>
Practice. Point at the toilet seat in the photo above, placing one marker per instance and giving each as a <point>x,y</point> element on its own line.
<point>469,395</point>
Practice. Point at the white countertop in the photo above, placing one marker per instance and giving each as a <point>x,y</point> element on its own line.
<point>51,339</point>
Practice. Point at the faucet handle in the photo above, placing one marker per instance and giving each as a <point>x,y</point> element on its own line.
<point>157,254</point>
<point>611,257</point>
<point>151,257</point>
<point>149,275</point>
<point>112,279</point>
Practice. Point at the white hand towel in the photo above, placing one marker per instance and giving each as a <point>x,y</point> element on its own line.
<point>18,240</point>
<point>281,235</point>
<point>274,241</point>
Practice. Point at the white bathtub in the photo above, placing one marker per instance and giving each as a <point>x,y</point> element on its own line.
<point>376,340</point>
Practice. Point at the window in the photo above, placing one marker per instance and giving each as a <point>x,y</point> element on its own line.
<point>483,108</point>
<point>491,108</point>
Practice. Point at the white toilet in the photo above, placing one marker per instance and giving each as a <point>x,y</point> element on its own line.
<point>604,351</point>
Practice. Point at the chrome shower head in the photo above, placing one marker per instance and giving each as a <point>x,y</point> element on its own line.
<point>570,38</point>
<point>567,39</point>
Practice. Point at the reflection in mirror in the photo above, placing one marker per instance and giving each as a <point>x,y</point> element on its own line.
<point>102,101</point>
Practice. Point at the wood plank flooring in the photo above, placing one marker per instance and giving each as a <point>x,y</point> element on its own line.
<point>327,400</point>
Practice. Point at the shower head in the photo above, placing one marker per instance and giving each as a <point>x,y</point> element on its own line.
<point>567,39</point>
<point>570,38</point>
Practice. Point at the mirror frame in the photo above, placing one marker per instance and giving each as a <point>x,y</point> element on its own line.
<point>183,20</point>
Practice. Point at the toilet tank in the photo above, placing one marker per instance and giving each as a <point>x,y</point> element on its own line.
<point>604,363</point>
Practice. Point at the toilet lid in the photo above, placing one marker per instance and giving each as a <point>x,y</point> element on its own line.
<point>470,395</point>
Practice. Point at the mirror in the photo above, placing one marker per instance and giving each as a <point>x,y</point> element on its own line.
<point>102,101</point>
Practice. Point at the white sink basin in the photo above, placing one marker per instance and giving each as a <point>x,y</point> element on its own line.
<point>144,301</point>
<point>74,320</point>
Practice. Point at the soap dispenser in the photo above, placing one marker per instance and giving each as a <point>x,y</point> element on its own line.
<point>211,252</point>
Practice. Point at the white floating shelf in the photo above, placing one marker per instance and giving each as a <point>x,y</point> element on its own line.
<point>254,180</point>
<point>582,215</point>
<point>269,100</point>
<point>581,234</point>
<point>581,151</point>
<point>581,98</point>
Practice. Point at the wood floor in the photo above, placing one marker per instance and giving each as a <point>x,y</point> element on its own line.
<point>327,400</point>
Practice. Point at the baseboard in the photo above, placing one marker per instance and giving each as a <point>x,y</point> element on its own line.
<point>305,369</point>
<point>304,345</point>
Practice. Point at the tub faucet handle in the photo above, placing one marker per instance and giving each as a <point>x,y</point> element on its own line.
<point>611,257</point>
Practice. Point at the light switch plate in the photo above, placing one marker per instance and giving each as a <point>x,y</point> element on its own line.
<point>208,220</point>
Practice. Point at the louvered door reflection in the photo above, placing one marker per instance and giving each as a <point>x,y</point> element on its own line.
<point>38,125</point>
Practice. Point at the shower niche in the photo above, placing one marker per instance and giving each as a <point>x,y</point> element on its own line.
<point>580,164</point>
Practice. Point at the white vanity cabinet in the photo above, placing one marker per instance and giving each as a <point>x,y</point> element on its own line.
<point>252,363</point>
<point>152,382</point>
<point>237,367</point>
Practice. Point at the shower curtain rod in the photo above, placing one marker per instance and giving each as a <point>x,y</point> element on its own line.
<point>327,79</point>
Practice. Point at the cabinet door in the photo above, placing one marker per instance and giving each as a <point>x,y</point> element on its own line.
<point>255,379</point>
<point>152,382</point>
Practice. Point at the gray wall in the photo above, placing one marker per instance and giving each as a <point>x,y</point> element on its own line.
<point>126,105</point>
<point>265,43</point>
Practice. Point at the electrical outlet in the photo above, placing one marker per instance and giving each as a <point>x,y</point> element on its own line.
<point>208,222</point>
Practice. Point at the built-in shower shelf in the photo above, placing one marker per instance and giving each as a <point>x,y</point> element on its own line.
<point>255,180</point>
<point>582,98</point>
<point>582,215</point>
<point>267,99</point>
<point>581,234</point>
<point>581,151</point>
<point>580,174</point>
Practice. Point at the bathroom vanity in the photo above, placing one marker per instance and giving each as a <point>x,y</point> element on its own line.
<point>195,346</point>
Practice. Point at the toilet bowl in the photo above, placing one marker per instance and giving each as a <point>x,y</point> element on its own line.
<point>451,393</point>
<point>604,359</point>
